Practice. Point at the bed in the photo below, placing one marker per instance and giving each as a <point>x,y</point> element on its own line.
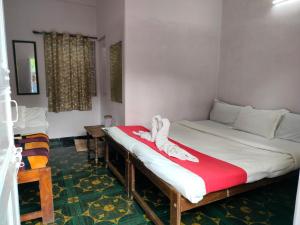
<point>262,160</point>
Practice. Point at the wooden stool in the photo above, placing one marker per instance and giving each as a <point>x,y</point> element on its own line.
<point>96,133</point>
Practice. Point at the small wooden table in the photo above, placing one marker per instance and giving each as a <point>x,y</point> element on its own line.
<point>97,134</point>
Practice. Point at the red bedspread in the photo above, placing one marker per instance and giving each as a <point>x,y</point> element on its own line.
<point>217,174</point>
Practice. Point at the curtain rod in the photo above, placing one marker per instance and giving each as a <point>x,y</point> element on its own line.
<point>44,32</point>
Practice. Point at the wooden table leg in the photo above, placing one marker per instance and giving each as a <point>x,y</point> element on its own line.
<point>106,154</point>
<point>88,146</point>
<point>96,151</point>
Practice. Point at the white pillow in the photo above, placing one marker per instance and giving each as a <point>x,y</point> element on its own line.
<point>21,116</point>
<point>289,127</point>
<point>260,122</point>
<point>35,117</point>
<point>224,113</point>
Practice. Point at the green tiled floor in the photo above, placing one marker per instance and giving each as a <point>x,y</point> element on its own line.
<point>86,194</point>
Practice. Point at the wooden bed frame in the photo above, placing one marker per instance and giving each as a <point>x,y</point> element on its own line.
<point>43,176</point>
<point>178,203</point>
<point>111,144</point>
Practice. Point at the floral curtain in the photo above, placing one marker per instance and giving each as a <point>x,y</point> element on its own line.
<point>70,72</point>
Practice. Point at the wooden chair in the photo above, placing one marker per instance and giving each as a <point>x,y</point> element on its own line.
<point>43,176</point>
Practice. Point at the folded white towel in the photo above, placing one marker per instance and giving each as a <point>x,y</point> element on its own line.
<point>156,126</point>
<point>162,142</point>
<point>162,134</point>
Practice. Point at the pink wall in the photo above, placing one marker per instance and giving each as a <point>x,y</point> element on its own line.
<point>63,16</point>
<point>260,54</point>
<point>171,58</point>
<point>110,22</point>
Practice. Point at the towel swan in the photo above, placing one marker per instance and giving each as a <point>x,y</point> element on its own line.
<point>156,126</point>
<point>159,134</point>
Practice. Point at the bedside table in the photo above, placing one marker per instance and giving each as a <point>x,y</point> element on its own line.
<point>96,133</point>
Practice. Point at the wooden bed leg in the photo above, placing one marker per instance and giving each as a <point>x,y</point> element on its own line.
<point>131,180</point>
<point>46,196</point>
<point>127,176</point>
<point>175,209</point>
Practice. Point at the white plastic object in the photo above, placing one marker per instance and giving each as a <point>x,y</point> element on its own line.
<point>108,120</point>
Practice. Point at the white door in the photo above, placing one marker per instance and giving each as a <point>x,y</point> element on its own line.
<point>9,157</point>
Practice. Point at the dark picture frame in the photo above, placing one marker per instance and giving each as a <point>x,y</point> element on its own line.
<point>19,92</point>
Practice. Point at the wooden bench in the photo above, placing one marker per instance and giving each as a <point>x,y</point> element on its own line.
<point>43,176</point>
<point>35,157</point>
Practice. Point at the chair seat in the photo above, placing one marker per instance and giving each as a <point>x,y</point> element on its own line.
<point>35,152</point>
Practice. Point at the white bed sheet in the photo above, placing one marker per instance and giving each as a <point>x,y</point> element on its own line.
<point>258,156</point>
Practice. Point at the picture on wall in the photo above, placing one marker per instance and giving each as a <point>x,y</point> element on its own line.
<point>116,72</point>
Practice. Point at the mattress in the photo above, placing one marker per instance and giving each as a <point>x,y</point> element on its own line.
<point>259,157</point>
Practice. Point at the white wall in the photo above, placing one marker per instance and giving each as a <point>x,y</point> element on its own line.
<point>171,53</point>
<point>171,58</point>
<point>260,54</point>
<point>110,23</point>
<point>63,16</point>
